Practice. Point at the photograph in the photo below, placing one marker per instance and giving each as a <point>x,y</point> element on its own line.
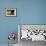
<point>10,11</point>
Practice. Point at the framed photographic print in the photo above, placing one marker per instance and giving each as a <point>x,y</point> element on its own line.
<point>10,11</point>
<point>33,32</point>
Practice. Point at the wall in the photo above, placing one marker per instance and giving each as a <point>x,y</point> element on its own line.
<point>8,24</point>
<point>28,12</point>
<point>33,12</point>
